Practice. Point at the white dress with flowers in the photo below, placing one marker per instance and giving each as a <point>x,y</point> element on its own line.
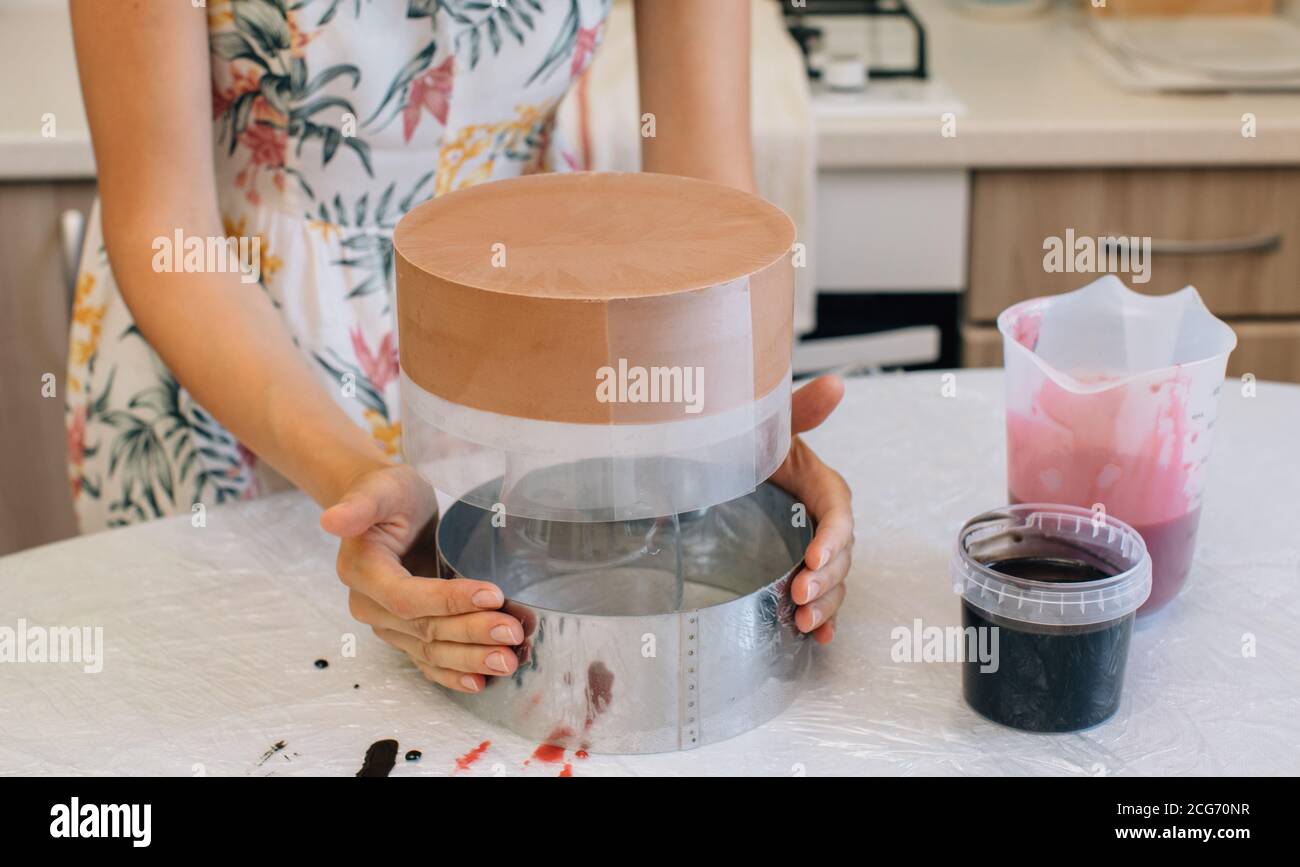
<point>332,118</point>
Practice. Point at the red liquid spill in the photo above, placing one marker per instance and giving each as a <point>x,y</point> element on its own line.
<point>599,694</point>
<point>552,750</point>
<point>466,761</point>
<point>549,753</point>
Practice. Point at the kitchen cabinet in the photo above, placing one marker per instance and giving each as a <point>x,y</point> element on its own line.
<point>34,308</point>
<point>1233,233</point>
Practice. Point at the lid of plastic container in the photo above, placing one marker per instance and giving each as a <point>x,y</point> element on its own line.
<point>1054,531</point>
<point>608,346</point>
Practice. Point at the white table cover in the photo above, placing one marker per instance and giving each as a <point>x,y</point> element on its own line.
<point>211,632</point>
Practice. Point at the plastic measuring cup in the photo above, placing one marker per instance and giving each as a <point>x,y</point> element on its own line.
<point>1052,590</point>
<point>1111,401</point>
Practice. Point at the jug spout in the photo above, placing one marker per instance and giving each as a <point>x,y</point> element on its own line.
<point>1106,335</point>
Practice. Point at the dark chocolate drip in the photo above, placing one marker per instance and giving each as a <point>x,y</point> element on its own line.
<point>275,748</point>
<point>380,759</point>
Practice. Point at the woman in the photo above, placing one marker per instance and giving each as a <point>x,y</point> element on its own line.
<point>312,127</point>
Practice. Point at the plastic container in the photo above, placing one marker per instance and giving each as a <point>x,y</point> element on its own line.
<point>1111,401</point>
<point>1058,588</point>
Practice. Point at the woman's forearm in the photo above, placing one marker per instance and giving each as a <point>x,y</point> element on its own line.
<point>693,73</point>
<point>228,347</point>
<point>147,89</point>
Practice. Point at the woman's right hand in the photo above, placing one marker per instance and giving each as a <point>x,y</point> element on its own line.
<point>451,629</point>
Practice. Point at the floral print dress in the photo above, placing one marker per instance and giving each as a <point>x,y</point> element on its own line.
<point>331,119</point>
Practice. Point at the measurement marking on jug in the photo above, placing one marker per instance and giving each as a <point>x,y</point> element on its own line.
<point>688,728</point>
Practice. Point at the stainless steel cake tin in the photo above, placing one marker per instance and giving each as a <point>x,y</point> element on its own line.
<point>620,656</point>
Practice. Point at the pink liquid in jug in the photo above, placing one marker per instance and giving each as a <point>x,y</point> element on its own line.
<point>1069,449</point>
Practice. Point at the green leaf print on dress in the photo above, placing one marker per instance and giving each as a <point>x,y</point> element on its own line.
<point>365,235</point>
<point>334,8</point>
<point>275,100</point>
<point>163,443</point>
<point>324,203</point>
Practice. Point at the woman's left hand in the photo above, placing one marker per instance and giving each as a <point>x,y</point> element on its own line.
<point>819,588</point>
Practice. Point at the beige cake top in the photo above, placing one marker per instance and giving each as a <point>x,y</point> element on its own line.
<point>513,294</point>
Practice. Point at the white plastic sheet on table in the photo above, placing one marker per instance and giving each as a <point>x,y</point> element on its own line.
<point>211,632</point>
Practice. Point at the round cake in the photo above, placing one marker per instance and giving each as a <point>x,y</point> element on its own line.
<point>607,345</point>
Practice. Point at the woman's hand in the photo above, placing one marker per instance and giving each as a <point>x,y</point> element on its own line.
<point>819,589</point>
<point>451,629</point>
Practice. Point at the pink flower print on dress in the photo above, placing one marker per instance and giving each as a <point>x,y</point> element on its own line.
<point>584,46</point>
<point>431,91</point>
<point>77,446</point>
<point>380,367</point>
<point>246,468</point>
<point>267,146</point>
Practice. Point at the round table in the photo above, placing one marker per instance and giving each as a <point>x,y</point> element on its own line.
<point>210,633</point>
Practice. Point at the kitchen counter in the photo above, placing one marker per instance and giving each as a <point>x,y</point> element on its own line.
<point>211,633</point>
<point>1033,99</point>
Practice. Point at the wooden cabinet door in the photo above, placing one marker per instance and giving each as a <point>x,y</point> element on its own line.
<point>1234,234</point>
<point>35,503</point>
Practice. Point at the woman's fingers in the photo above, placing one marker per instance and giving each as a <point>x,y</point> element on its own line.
<point>824,633</point>
<point>451,629</point>
<point>811,404</point>
<point>457,680</point>
<point>820,611</point>
<point>375,571</point>
<point>467,658</point>
<point>828,499</point>
<point>819,589</point>
<point>831,503</point>
<point>484,627</point>
<point>812,584</point>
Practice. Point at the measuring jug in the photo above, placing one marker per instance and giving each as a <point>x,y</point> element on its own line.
<point>1111,401</point>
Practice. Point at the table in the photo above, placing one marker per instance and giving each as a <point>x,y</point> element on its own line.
<point>211,633</point>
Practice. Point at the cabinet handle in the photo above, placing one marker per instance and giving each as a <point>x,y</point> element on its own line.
<point>1244,244</point>
<point>72,229</point>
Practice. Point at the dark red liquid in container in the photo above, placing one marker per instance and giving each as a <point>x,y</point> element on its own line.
<point>1171,544</point>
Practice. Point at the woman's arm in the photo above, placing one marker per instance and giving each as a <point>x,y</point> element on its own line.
<point>693,72</point>
<point>146,84</point>
<point>147,88</point>
<point>693,68</point>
